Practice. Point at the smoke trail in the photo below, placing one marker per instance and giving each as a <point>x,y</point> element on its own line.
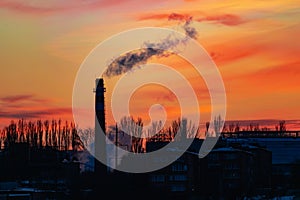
<point>189,31</point>
<point>130,60</point>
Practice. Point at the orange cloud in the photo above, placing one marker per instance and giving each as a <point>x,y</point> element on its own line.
<point>43,7</point>
<point>16,98</point>
<point>29,106</point>
<point>271,92</point>
<point>277,77</point>
<point>225,19</point>
<point>153,16</point>
<point>180,17</point>
<point>230,52</point>
<point>21,98</point>
<point>35,113</point>
<point>24,7</point>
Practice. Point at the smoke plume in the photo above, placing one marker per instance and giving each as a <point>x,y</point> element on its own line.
<point>186,19</point>
<point>130,60</point>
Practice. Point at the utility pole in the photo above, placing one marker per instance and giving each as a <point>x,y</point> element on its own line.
<point>117,144</point>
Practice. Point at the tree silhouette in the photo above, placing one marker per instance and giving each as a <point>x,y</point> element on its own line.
<point>134,128</point>
<point>282,126</point>
<point>218,122</point>
<point>40,134</point>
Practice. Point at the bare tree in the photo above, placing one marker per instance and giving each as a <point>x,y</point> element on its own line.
<point>175,127</point>
<point>87,136</point>
<point>156,126</point>
<point>192,130</point>
<point>40,134</point>
<point>282,126</point>
<point>207,124</point>
<point>46,128</point>
<point>237,127</point>
<point>134,128</point>
<point>231,127</point>
<point>218,123</point>
<point>256,127</point>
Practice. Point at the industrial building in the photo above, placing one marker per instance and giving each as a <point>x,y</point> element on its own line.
<point>242,164</point>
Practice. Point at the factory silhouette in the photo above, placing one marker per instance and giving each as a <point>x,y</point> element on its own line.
<point>244,163</point>
<point>53,164</point>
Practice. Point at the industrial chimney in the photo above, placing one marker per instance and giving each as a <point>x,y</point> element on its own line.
<point>99,103</point>
<point>100,143</point>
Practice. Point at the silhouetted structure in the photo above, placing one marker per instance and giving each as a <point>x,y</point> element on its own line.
<point>229,171</point>
<point>39,134</point>
<point>100,128</point>
<point>38,161</point>
<point>38,173</point>
<point>237,167</point>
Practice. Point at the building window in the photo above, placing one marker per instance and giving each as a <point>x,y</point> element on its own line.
<point>180,178</point>
<point>178,188</point>
<point>158,178</point>
<point>178,167</point>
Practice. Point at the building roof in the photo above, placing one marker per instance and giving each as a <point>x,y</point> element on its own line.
<point>284,150</point>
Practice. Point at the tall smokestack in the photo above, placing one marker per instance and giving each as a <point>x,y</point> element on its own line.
<point>99,103</point>
<point>100,144</point>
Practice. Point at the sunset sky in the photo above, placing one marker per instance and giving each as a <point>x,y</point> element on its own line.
<point>255,45</point>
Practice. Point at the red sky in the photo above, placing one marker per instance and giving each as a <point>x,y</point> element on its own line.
<point>254,44</point>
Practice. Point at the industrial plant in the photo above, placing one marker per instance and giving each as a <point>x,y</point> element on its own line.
<point>48,160</point>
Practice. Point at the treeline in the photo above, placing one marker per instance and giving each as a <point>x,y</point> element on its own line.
<point>64,135</point>
<point>40,134</point>
<point>157,132</point>
<point>236,127</point>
